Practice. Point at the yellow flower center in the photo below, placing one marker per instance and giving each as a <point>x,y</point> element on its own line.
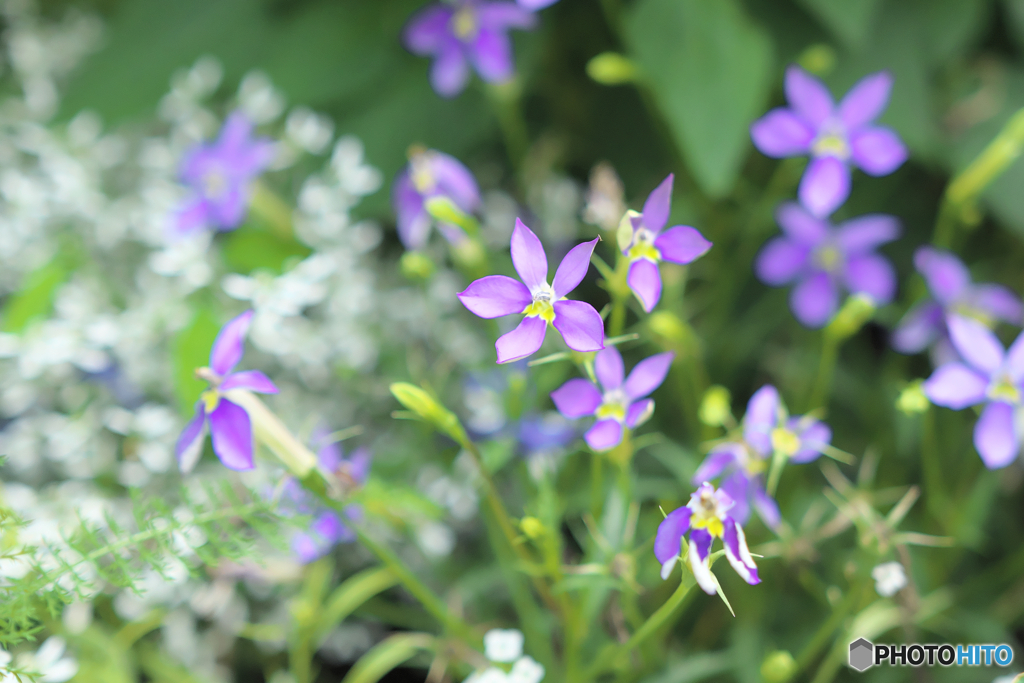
<point>828,258</point>
<point>543,304</point>
<point>1004,390</point>
<point>975,313</point>
<point>210,399</point>
<point>420,174</point>
<point>643,247</point>
<point>464,24</point>
<point>831,145</point>
<point>706,515</point>
<point>215,184</point>
<point>785,441</point>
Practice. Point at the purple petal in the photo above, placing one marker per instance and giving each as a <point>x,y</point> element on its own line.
<point>767,508</point>
<point>523,341</point>
<point>450,71</point>
<point>657,206</point>
<point>814,300</point>
<point>737,553</point>
<point>639,412</point>
<point>573,268</point>
<point>716,462</point>
<point>761,418</point>
<point>682,244</point>
<point>877,151</point>
<point>328,452</point>
<point>529,258</point>
<point>919,328</point>
<point>328,526</point>
<point>645,281</point>
<point>808,96</point>
<point>235,133</point>
<point>428,30</point>
<point>494,296</point>
<point>867,232</point>
<point>454,180</point>
<point>668,541</point>
<point>576,398</point>
<point>648,375</point>
<point>781,260</point>
<point>701,539</point>
<point>190,444</point>
<point>813,440</point>
<point>413,221</point>
<point>580,325</point>
<point>873,275</point>
<point>955,386</point>
<point>608,368</point>
<point>995,436</point>
<point>1015,359</point>
<point>700,545</point>
<point>825,185</point>
<point>866,100</point>
<point>781,133</point>
<point>800,225</point>
<point>192,217</point>
<point>505,15</point>
<point>946,275</point>
<point>491,54</point>
<point>358,464</point>
<point>229,210</point>
<point>976,343</point>
<point>231,432</point>
<point>536,4</point>
<point>998,302</point>
<point>307,548</point>
<point>253,380</point>
<point>604,435</point>
<point>230,344</point>
<point>737,487</point>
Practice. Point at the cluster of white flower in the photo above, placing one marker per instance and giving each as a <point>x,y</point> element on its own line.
<point>503,647</point>
<point>48,664</point>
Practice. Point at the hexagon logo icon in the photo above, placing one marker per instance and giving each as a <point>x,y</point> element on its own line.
<point>861,654</point>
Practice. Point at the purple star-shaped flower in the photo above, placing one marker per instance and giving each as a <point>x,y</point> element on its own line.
<point>706,517</point>
<point>951,292</point>
<point>987,375</point>
<point>227,422</point>
<point>431,174</point>
<point>462,33</point>
<point>495,296</point>
<point>834,136</point>
<point>619,401</point>
<point>220,175</point>
<point>679,244</point>
<point>824,260</point>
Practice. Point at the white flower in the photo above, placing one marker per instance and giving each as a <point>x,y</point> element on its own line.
<point>889,578</point>
<point>503,645</point>
<point>49,662</point>
<point>489,675</point>
<point>526,670</point>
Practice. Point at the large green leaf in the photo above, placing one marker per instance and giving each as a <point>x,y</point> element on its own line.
<point>191,350</point>
<point>849,20</point>
<point>710,68</point>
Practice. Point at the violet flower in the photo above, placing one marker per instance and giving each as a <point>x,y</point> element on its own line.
<point>706,517</point>
<point>951,292</point>
<point>987,375</point>
<point>825,260</point>
<point>619,402</point>
<point>679,244</point>
<point>495,296</point>
<point>227,422</point>
<point>220,175</point>
<point>431,174</point>
<point>534,5</point>
<point>464,33</point>
<point>834,136</point>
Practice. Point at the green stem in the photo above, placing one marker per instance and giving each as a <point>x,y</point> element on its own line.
<point>825,631</point>
<point>826,368</point>
<point>596,484</point>
<point>935,496</point>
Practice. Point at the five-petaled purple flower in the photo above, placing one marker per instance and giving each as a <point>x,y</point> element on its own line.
<point>466,32</point>
<point>826,259</point>
<point>228,423</point>
<point>834,137</point>
<point>679,244</point>
<point>495,296</point>
<point>988,375</point>
<point>706,517</point>
<point>220,175</point>
<point>622,401</point>
<point>431,174</point>
<point>952,292</point>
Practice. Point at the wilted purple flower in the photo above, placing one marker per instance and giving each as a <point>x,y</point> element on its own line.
<point>619,402</point>
<point>495,296</point>
<point>220,175</point>
<point>228,423</point>
<point>952,292</point>
<point>431,174</point>
<point>679,244</point>
<point>834,137</point>
<point>706,517</point>
<point>466,32</point>
<point>988,375</point>
<point>826,260</point>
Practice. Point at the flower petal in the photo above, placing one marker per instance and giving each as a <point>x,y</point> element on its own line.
<point>639,412</point>
<point>946,275</point>
<point>813,440</point>
<point>644,280</point>
<point>800,226</point>
<point>808,96</point>
<point>190,444</point>
<point>648,375</point>
<point>230,344</point>
<point>491,54</point>
<point>956,386</point>
<point>580,325</point>
<point>668,540</point>
<point>698,553</point>
<point>505,15</point>
<point>608,368</point>
<point>529,258</point>
<point>1015,359</point>
<point>717,460</point>
<point>604,435</point>
<point>428,29</point>
<point>450,71</point>
<point>737,487</point>
<point>573,268</point>
<point>864,233</point>
<point>454,180</point>
<point>780,261</point>
<point>761,418</point>
<point>494,296</point>
<point>413,221</point>
<point>682,244</point>
<point>767,508</point>
<point>919,328</point>
<point>576,398</point>
<point>871,274</point>
<point>825,185</point>
<point>995,437</point>
<point>998,302</point>
<point>523,341</point>
<point>253,380</point>
<point>191,217</point>
<point>814,300</point>
<point>877,151</point>
<point>781,133</point>
<point>975,343</point>
<point>231,432</point>
<point>737,553</point>
<point>658,204</point>
<point>865,100</point>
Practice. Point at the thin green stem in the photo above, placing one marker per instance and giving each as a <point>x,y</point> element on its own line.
<point>826,369</point>
<point>596,484</point>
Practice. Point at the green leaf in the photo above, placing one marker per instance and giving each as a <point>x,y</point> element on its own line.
<point>386,655</point>
<point>849,20</point>
<point>710,68</point>
<point>35,298</point>
<point>247,250</point>
<point>191,350</point>
<point>349,596</point>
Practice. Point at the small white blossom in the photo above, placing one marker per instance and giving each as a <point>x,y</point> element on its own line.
<point>526,670</point>
<point>503,645</point>
<point>889,578</point>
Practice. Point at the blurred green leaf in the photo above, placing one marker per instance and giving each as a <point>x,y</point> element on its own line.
<point>191,350</point>
<point>386,655</point>
<point>849,20</point>
<point>35,298</point>
<point>247,250</point>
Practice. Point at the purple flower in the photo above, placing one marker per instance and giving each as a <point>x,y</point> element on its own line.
<point>495,296</point>
<point>679,244</point>
<point>462,33</point>
<point>706,517</point>
<point>952,292</point>
<point>834,137</point>
<point>228,423</point>
<point>534,5</point>
<point>988,375</point>
<point>431,174</point>
<point>220,175</point>
<point>544,433</point>
<point>622,402</point>
<point>825,260</point>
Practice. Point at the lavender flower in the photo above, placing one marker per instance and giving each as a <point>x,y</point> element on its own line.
<point>622,402</point>
<point>495,296</point>
<point>987,375</point>
<point>951,292</point>
<point>462,33</point>
<point>825,260</point>
<point>228,423</point>
<point>431,174</point>
<point>649,246</point>
<point>220,175</point>
<point>706,517</point>
<point>834,137</point>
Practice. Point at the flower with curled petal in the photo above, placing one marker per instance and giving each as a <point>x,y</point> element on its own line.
<point>495,296</point>
<point>431,174</point>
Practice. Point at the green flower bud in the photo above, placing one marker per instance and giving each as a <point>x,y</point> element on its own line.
<point>715,406</point>
<point>611,68</point>
<point>416,265</point>
<point>778,667</point>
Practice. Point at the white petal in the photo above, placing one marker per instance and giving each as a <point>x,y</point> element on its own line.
<point>702,571</point>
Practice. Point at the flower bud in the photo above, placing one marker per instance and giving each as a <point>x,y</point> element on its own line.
<point>416,265</point>
<point>532,527</point>
<point>426,406</point>
<point>611,68</point>
<point>778,667</point>
<point>856,311</point>
<point>912,399</point>
<point>715,408</point>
